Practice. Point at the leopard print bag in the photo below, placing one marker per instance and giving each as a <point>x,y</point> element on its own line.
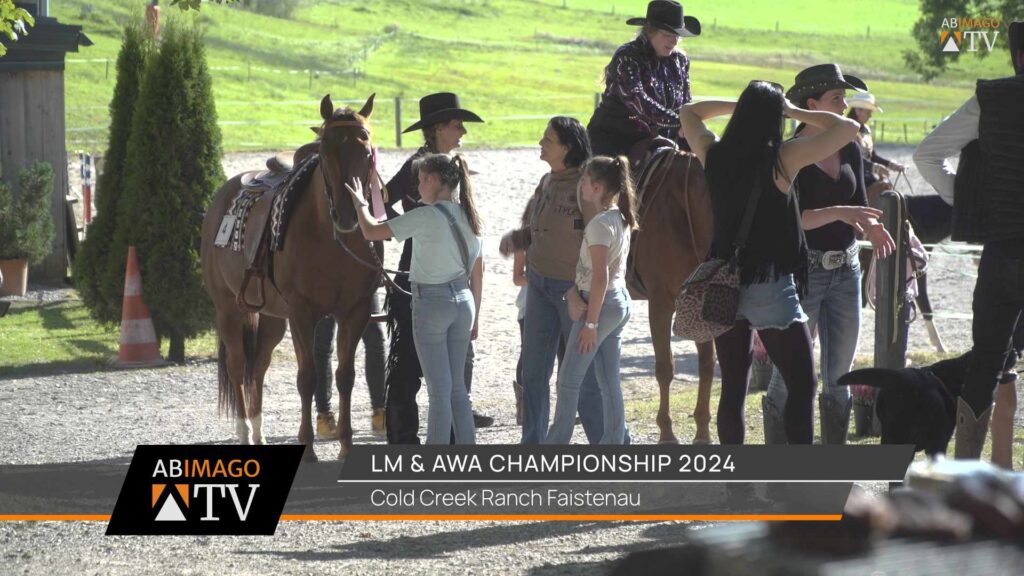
<point>706,305</point>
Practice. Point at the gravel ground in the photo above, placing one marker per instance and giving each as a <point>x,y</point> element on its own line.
<point>100,416</point>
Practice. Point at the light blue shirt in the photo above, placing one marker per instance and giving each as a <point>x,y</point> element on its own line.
<point>436,258</point>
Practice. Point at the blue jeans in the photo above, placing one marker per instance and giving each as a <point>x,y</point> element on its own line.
<point>605,360</point>
<point>547,318</point>
<point>442,318</point>
<point>832,303</point>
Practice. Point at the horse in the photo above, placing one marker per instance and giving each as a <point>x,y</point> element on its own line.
<point>323,267</point>
<point>674,237</point>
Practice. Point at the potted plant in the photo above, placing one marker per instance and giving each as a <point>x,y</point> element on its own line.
<point>26,226</point>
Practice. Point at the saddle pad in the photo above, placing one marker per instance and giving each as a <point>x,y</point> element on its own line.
<point>285,199</point>
<point>240,208</point>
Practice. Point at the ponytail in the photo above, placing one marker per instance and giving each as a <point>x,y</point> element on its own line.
<point>466,198</point>
<point>614,174</point>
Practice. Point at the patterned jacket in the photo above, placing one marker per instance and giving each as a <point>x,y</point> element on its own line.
<point>652,89</point>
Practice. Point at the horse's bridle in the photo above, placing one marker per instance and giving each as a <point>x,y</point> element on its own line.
<point>376,264</point>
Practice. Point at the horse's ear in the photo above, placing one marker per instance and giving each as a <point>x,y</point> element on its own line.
<point>326,108</point>
<point>315,129</point>
<point>368,107</point>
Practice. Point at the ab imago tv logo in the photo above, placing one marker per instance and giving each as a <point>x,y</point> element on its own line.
<point>205,490</point>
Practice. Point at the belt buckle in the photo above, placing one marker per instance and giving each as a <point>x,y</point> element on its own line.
<point>833,259</point>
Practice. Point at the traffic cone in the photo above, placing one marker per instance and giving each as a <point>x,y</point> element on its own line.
<point>139,348</point>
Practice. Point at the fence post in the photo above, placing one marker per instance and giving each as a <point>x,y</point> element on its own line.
<point>398,122</point>
<point>905,137</point>
<point>892,309</point>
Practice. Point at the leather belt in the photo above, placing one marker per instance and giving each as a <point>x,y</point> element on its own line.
<point>833,258</point>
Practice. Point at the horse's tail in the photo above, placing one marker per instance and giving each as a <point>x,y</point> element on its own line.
<point>227,396</point>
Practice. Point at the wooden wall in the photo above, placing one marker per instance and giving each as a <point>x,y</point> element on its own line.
<point>32,129</point>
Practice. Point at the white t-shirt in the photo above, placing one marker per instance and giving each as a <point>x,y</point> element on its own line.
<point>436,258</point>
<point>606,229</point>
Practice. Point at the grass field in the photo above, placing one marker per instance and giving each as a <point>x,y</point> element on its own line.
<point>516,62</point>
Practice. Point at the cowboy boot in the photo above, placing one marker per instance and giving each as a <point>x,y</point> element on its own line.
<point>835,419</point>
<point>970,430</point>
<point>774,427</point>
<point>377,423</point>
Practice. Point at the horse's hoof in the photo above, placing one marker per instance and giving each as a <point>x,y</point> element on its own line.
<point>343,451</point>
<point>668,439</point>
<point>309,455</point>
<point>699,441</point>
<point>262,441</point>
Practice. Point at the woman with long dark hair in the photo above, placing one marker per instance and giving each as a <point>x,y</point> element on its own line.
<point>833,212</point>
<point>646,82</point>
<point>751,163</point>
<point>446,276</point>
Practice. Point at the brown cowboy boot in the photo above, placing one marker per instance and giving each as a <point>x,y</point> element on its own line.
<point>326,426</point>
<point>970,431</point>
<point>377,425</point>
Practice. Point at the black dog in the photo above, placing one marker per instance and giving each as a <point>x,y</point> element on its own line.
<point>916,405</point>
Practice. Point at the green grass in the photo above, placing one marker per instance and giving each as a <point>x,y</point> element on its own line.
<point>508,59</point>
<point>59,337</point>
<point>640,413</point>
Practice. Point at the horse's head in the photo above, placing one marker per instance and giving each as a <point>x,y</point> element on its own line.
<point>346,154</point>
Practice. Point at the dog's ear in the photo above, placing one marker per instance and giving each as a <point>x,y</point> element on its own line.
<point>884,378</point>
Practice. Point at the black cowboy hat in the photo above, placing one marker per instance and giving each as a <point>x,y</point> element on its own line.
<point>668,15</point>
<point>441,107</point>
<point>822,78</point>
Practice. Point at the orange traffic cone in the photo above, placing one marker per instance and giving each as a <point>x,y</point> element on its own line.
<point>139,348</point>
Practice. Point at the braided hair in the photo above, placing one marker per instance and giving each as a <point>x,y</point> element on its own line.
<point>453,171</point>
<point>615,175</point>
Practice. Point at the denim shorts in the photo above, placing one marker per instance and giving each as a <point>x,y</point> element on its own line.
<point>770,304</point>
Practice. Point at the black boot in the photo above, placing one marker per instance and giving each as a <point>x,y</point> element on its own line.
<point>774,428</point>
<point>835,419</point>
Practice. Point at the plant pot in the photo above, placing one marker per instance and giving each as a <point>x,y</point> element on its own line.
<point>15,274</point>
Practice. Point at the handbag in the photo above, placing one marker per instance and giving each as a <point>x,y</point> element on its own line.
<point>706,305</point>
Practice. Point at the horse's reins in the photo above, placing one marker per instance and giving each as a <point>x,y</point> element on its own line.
<point>377,264</point>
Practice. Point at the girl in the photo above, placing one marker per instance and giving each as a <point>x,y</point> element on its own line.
<point>599,303</point>
<point>446,277</point>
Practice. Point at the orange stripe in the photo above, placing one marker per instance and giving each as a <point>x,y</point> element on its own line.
<point>546,517</point>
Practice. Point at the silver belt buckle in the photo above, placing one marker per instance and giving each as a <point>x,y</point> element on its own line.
<point>833,259</point>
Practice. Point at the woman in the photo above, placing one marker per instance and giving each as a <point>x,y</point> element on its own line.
<point>446,277</point>
<point>442,121</point>
<point>876,168</point>
<point>751,163</point>
<point>599,303</point>
<point>646,82</point>
<point>552,244</point>
<point>834,211</point>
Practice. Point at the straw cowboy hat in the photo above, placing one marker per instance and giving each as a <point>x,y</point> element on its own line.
<point>441,107</point>
<point>822,78</point>
<point>865,100</point>
<point>667,15</point>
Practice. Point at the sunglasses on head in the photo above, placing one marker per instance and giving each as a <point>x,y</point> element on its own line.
<point>775,84</point>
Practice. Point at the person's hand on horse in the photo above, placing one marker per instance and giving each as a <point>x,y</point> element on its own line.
<point>587,339</point>
<point>859,217</point>
<point>356,190</point>
<point>881,241</point>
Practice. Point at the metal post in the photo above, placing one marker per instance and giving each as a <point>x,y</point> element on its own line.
<point>892,309</point>
<point>398,122</point>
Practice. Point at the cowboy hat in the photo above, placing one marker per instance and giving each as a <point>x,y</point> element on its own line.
<point>668,15</point>
<point>865,100</point>
<point>822,78</point>
<point>441,107</point>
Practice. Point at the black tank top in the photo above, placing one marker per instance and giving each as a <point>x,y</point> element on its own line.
<point>775,245</point>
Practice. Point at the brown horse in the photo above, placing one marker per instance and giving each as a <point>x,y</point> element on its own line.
<point>674,237</point>
<point>312,276</point>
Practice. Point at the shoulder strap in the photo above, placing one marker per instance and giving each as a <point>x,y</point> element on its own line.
<point>460,240</point>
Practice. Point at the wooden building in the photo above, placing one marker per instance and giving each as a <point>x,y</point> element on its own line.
<point>32,116</point>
